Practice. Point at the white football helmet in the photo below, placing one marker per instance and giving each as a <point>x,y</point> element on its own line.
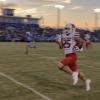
<point>69,28</point>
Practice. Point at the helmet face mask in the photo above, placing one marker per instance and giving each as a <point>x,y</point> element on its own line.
<point>69,28</point>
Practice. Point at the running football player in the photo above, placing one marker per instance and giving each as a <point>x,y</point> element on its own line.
<point>67,41</point>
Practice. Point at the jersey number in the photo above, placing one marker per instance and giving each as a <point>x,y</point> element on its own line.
<point>66,43</point>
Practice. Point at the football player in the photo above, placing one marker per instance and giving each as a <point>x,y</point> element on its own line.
<point>29,40</point>
<point>87,38</point>
<point>67,41</point>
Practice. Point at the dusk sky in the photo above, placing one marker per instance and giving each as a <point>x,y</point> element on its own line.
<point>80,12</point>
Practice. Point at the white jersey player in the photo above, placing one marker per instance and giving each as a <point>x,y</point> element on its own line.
<point>29,40</point>
<point>67,41</point>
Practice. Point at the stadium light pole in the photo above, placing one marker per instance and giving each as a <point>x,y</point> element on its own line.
<point>2,4</point>
<point>59,8</point>
<point>96,11</point>
<point>42,21</point>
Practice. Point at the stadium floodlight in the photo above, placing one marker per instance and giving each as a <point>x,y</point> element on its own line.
<point>96,11</point>
<point>2,3</point>
<point>59,7</point>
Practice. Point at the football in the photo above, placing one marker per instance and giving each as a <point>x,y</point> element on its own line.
<point>79,45</point>
<point>86,44</point>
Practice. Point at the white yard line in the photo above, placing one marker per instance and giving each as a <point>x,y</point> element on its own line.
<point>25,86</point>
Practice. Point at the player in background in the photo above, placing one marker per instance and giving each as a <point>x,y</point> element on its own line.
<point>29,40</point>
<point>87,38</point>
<point>67,41</point>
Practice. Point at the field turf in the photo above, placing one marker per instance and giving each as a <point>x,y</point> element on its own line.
<point>38,70</point>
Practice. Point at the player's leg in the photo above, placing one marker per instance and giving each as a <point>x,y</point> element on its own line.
<point>73,70</point>
<point>82,77</point>
<point>75,73</point>
<point>66,62</point>
<point>86,80</point>
<point>30,45</point>
<point>73,66</point>
<point>27,47</point>
<point>62,65</point>
<point>70,72</point>
<point>64,68</point>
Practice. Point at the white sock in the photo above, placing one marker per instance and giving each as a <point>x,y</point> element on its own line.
<point>88,87</point>
<point>75,78</point>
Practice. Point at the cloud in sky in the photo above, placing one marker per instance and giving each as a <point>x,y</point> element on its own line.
<point>35,6</point>
<point>46,8</point>
<point>67,1</point>
<point>30,3</point>
<point>33,10</point>
<point>53,2</point>
<point>9,5</point>
<point>96,10</point>
<point>58,1</point>
<point>76,8</point>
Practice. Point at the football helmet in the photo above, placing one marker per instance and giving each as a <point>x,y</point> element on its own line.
<point>69,28</point>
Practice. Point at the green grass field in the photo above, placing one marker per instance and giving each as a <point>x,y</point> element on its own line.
<point>39,71</point>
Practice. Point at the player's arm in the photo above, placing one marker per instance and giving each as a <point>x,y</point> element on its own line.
<point>60,44</point>
<point>59,41</point>
<point>81,42</point>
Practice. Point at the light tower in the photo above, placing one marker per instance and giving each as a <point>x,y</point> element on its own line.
<point>2,5</point>
<point>96,11</point>
<point>59,8</point>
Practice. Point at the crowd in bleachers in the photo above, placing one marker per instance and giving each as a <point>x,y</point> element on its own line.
<point>94,35</point>
<point>42,34</point>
